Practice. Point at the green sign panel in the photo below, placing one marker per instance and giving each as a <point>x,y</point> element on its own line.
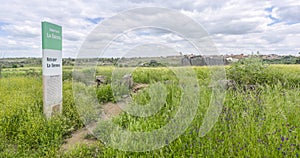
<point>51,36</point>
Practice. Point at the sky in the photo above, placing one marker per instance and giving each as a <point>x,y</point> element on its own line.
<point>234,26</point>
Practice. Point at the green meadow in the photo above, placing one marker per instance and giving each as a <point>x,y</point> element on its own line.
<point>263,121</point>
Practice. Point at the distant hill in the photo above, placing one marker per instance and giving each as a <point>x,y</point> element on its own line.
<point>180,60</point>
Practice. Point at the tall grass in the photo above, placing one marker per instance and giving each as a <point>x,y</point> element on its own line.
<point>23,128</point>
<point>254,123</point>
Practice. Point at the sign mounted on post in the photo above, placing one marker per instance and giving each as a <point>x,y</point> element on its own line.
<point>52,68</point>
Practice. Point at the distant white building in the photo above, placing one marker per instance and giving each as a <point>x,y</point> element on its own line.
<point>232,60</point>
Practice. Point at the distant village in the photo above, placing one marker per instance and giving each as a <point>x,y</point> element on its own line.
<point>200,60</point>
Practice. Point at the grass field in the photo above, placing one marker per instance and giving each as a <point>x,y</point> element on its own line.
<point>263,122</point>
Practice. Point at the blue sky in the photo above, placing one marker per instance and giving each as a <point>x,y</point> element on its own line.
<point>95,20</point>
<point>235,26</point>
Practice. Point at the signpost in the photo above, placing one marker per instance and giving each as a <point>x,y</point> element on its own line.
<point>52,68</point>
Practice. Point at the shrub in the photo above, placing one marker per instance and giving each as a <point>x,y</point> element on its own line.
<point>105,94</point>
<point>248,71</point>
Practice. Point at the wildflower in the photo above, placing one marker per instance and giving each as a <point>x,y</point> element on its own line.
<point>278,148</point>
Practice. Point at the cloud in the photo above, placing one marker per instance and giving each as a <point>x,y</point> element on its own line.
<point>25,31</point>
<point>288,14</point>
<point>237,25</point>
<point>72,36</point>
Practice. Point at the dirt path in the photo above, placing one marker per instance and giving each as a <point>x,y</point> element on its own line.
<point>79,137</point>
<point>110,110</point>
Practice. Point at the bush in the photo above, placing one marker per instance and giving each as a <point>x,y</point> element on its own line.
<point>105,94</point>
<point>249,71</point>
<point>252,71</point>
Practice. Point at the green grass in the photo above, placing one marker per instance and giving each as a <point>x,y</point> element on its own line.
<point>260,123</point>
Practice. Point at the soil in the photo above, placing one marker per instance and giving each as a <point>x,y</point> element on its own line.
<point>111,110</point>
<point>78,138</point>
